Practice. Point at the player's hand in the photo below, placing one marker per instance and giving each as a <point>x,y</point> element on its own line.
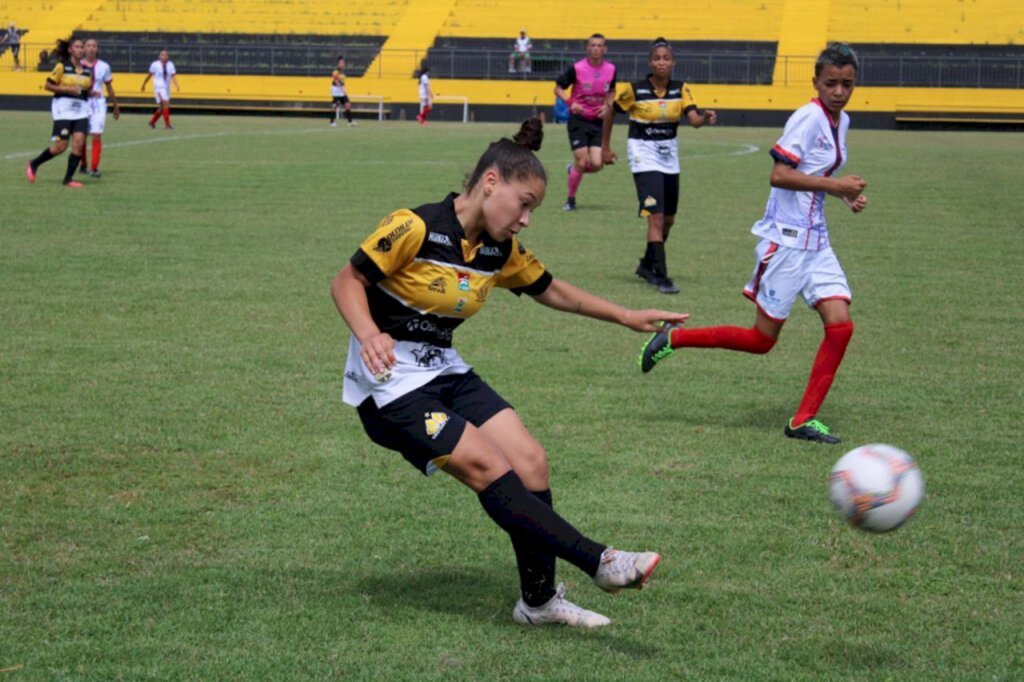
<point>608,157</point>
<point>651,320</point>
<point>602,110</point>
<point>710,117</point>
<point>849,186</point>
<point>378,354</point>
<point>575,108</point>
<point>117,112</point>
<point>857,204</point>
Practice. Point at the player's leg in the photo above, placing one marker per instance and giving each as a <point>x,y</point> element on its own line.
<point>167,114</point>
<point>78,134</point>
<point>348,111</point>
<point>61,135</point>
<point>159,110</point>
<point>512,63</point>
<point>828,292</point>
<point>334,112</point>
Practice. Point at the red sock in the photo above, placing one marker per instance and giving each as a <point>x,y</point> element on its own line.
<point>156,117</point>
<point>85,153</point>
<point>167,117</point>
<point>751,340</point>
<point>823,371</point>
<point>97,147</point>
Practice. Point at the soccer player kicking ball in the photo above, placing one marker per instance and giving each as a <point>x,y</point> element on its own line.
<point>405,290</point>
<point>794,257</point>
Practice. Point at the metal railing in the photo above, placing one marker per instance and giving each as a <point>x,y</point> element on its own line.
<point>721,68</point>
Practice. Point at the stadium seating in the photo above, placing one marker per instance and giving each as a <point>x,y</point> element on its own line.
<point>951,22</point>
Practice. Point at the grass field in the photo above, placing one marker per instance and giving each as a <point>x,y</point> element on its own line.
<point>183,496</point>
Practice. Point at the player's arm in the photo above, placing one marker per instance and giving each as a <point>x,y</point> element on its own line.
<point>53,83</point>
<point>564,81</point>
<point>145,80</point>
<point>174,79</point>
<point>785,176</point>
<point>560,295</point>
<point>349,292</point>
<point>113,97</point>
<point>698,118</point>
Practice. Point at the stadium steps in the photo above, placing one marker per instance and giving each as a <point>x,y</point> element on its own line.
<point>413,35</point>
<point>980,22</point>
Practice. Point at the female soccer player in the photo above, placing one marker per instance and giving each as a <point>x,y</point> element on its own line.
<point>794,257</point>
<point>339,97</point>
<point>404,292</point>
<point>426,96</point>
<point>593,88</point>
<point>70,82</point>
<point>101,76</point>
<point>655,106</point>
<point>162,72</point>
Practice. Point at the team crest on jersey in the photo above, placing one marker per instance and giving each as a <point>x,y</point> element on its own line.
<point>438,286</point>
<point>435,423</point>
<point>482,293</point>
<point>459,305</point>
<point>463,281</point>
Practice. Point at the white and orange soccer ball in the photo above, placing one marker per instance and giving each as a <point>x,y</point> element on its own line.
<point>876,487</point>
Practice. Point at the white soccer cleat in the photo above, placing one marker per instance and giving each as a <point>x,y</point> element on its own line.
<point>620,570</point>
<point>558,610</point>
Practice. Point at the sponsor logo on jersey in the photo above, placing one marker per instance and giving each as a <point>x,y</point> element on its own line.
<point>438,285</point>
<point>439,238</point>
<point>825,143</point>
<point>650,201</point>
<point>789,232</point>
<point>463,281</point>
<point>385,243</point>
<point>429,356</point>
<point>459,305</point>
<point>435,423</point>
<point>490,251</point>
<point>428,327</point>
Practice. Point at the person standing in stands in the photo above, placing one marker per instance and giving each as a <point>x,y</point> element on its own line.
<point>521,54</point>
<point>592,80</point>
<point>13,39</point>
<point>794,257</point>
<point>70,83</point>
<point>339,97</point>
<point>102,76</point>
<point>655,105</point>
<point>162,72</point>
<point>426,96</point>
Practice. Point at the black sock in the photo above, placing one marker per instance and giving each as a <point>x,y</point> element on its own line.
<point>519,512</point>
<point>658,258</point>
<point>348,115</point>
<point>73,161</point>
<point>536,565</point>
<point>649,254</point>
<point>42,158</point>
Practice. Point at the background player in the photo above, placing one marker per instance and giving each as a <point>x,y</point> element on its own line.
<point>655,106</point>
<point>12,38</point>
<point>339,98</point>
<point>101,76</point>
<point>426,96</point>
<point>794,257</point>
<point>69,82</point>
<point>416,395</point>
<point>592,80</point>
<point>162,72</point>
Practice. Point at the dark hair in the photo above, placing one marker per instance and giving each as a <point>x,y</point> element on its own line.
<point>340,57</point>
<point>838,55</point>
<point>595,35</point>
<point>425,69</point>
<point>63,49</point>
<point>515,158</point>
<point>659,42</point>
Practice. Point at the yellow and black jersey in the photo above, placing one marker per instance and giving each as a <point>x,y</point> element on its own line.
<point>66,74</point>
<point>654,117</point>
<point>428,279</point>
<point>337,83</point>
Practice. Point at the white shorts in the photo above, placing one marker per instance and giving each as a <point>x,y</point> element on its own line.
<point>781,274</point>
<point>162,95</point>
<point>97,115</point>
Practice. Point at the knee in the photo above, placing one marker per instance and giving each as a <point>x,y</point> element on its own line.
<point>533,467</point>
<point>762,343</point>
<point>596,165</point>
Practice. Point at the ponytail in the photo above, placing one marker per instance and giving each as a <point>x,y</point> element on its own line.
<point>513,159</point>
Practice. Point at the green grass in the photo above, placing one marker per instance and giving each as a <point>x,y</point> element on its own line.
<point>182,494</point>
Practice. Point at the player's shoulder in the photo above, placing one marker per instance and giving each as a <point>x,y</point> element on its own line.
<point>807,115</point>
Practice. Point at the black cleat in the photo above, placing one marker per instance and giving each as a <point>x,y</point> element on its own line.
<point>812,430</point>
<point>657,348</point>
<point>666,285</point>
<point>570,204</point>
<point>644,272</point>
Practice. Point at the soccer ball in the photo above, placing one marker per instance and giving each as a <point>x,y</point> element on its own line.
<point>876,487</point>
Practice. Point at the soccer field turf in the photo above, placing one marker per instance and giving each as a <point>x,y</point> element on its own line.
<point>183,495</point>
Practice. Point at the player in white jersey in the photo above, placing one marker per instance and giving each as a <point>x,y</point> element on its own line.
<point>162,72</point>
<point>794,257</point>
<point>102,76</point>
<point>426,96</point>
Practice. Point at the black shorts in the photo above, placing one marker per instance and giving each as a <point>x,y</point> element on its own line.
<point>62,130</point>
<point>15,49</point>
<point>426,425</point>
<point>584,132</point>
<point>657,192</point>
<point>340,99</point>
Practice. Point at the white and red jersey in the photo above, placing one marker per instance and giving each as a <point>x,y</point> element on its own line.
<point>162,74</point>
<point>814,144</point>
<point>590,85</point>
<point>101,75</point>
